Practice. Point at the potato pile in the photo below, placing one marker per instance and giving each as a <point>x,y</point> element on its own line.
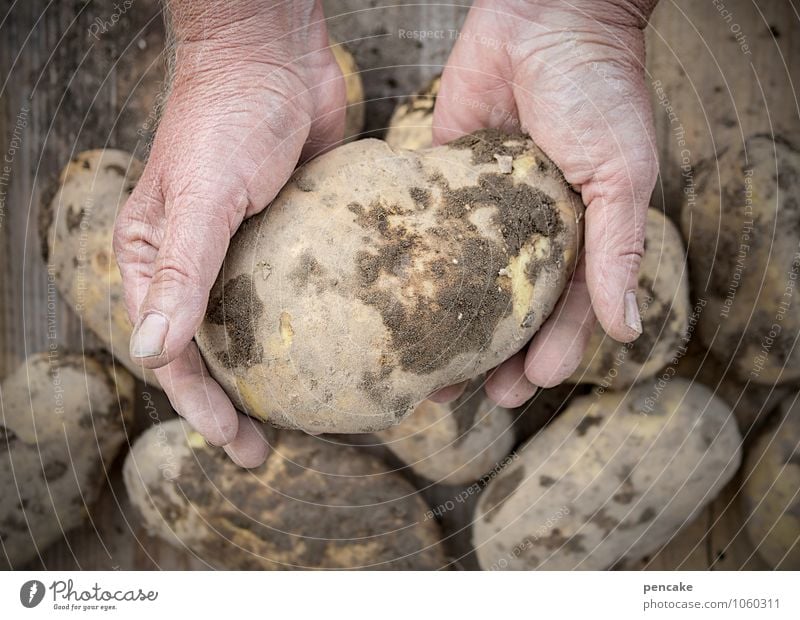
<point>454,443</point>
<point>745,253</point>
<point>411,124</point>
<point>611,479</point>
<point>313,504</point>
<point>771,491</point>
<point>385,270</point>
<point>65,418</point>
<point>663,298</point>
<point>77,229</point>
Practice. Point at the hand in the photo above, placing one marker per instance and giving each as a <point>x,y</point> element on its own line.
<point>255,90</point>
<point>570,74</point>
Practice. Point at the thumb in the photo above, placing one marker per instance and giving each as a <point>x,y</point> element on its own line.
<point>616,212</point>
<point>196,235</point>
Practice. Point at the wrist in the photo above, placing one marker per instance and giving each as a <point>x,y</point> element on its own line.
<point>241,30</point>
<point>627,13</point>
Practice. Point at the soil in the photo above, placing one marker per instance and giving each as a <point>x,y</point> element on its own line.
<point>501,489</point>
<point>487,143</point>
<point>239,315</point>
<point>317,500</point>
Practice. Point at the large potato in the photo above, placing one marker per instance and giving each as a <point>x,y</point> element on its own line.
<point>411,125</point>
<point>313,504</point>
<point>453,443</point>
<point>379,276</point>
<point>744,249</point>
<point>610,480</point>
<point>663,297</point>
<point>64,419</point>
<point>77,229</point>
<point>771,490</point>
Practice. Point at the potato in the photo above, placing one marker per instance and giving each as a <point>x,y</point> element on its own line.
<point>313,504</point>
<point>77,228</point>
<point>663,297</point>
<point>354,116</point>
<point>64,420</point>
<point>454,443</point>
<point>608,481</point>
<point>379,276</point>
<point>751,403</point>
<point>411,125</point>
<point>771,489</point>
<point>743,228</point>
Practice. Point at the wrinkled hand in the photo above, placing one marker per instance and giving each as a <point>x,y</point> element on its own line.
<point>570,74</point>
<point>255,90</point>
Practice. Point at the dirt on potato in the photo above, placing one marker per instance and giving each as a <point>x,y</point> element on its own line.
<point>240,318</point>
<point>462,314</point>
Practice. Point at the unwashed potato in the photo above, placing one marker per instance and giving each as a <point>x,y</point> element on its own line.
<point>77,228</point>
<point>379,276</point>
<point>411,125</point>
<point>354,116</point>
<point>609,480</point>
<point>751,403</point>
<point>63,422</point>
<point>313,504</point>
<point>771,490</point>
<point>453,443</point>
<point>663,298</point>
<point>744,249</point>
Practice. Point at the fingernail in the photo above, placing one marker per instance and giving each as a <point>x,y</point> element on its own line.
<point>148,338</point>
<point>632,317</point>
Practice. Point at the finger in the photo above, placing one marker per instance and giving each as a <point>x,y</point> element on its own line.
<point>199,399</point>
<point>615,218</point>
<point>449,393</point>
<point>249,448</point>
<point>557,348</point>
<point>138,233</point>
<point>507,384</point>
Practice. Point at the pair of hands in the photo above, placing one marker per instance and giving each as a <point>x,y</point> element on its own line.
<point>256,90</point>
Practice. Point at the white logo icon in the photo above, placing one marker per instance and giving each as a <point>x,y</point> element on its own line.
<point>31,593</point>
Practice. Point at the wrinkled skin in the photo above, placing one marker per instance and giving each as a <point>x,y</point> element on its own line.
<point>255,91</point>
<point>572,75</point>
<point>240,116</point>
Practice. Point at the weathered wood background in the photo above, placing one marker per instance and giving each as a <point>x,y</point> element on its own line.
<point>72,80</point>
